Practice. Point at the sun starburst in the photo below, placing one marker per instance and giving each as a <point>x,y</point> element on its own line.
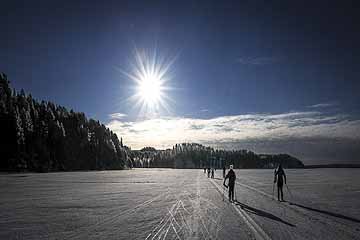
<point>150,73</point>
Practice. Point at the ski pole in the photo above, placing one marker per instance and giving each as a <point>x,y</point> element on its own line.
<point>223,193</point>
<point>289,192</point>
<point>235,193</point>
<point>274,184</point>
<point>224,190</point>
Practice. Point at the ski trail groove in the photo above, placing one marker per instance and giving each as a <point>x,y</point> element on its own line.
<point>185,218</point>
<point>254,227</point>
<point>300,211</point>
<point>160,230</point>
<point>331,224</point>
<point>161,221</point>
<point>111,219</point>
<point>174,220</point>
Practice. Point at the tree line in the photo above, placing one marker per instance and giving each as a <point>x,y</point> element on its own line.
<point>193,155</point>
<point>43,136</point>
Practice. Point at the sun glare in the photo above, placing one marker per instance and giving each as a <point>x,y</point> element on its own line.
<point>150,74</point>
<point>149,89</point>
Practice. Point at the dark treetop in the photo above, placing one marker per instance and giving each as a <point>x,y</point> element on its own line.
<point>42,136</point>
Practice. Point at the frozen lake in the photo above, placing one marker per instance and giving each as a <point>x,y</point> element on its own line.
<point>179,204</point>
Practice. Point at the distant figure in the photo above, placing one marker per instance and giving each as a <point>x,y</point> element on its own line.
<point>212,172</point>
<point>204,170</point>
<point>208,170</point>
<point>280,177</point>
<point>224,171</point>
<point>232,177</point>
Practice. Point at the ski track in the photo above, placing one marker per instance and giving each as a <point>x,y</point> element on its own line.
<point>185,218</point>
<point>319,218</point>
<point>327,223</point>
<point>81,233</point>
<point>112,218</point>
<point>194,211</point>
<point>258,232</point>
<point>183,229</point>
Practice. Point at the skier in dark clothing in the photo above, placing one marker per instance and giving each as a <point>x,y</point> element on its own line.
<point>204,170</point>
<point>212,172</point>
<point>224,172</point>
<point>280,177</point>
<point>232,177</point>
<point>208,171</point>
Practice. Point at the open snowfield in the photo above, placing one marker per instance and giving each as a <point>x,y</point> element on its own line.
<point>179,204</point>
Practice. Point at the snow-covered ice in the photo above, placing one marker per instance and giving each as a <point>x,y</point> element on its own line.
<point>179,204</point>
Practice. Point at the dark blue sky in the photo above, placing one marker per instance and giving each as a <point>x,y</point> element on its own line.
<point>233,57</point>
<point>67,52</point>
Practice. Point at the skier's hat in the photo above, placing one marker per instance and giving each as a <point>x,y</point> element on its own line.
<point>231,166</point>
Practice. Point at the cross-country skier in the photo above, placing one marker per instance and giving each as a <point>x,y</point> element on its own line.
<point>280,177</point>
<point>232,177</point>
<point>224,172</point>
<point>208,171</point>
<point>212,172</point>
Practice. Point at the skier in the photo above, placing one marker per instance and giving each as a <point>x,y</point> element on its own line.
<point>212,172</point>
<point>208,171</point>
<point>224,172</point>
<point>280,177</point>
<point>232,177</point>
<point>204,170</point>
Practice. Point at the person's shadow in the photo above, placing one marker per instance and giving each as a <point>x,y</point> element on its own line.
<point>217,178</point>
<point>262,213</point>
<point>326,212</point>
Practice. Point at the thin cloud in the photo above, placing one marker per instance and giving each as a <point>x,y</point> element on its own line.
<point>313,136</point>
<point>117,115</point>
<point>291,132</point>
<point>322,105</point>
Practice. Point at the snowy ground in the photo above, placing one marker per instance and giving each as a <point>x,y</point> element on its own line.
<point>179,204</point>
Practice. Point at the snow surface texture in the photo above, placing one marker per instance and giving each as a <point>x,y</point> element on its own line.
<point>179,204</point>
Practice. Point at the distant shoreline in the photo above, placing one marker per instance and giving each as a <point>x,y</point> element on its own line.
<point>336,165</point>
<point>4,172</point>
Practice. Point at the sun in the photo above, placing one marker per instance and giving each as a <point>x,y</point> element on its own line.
<point>149,89</point>
<point>151,75</point>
